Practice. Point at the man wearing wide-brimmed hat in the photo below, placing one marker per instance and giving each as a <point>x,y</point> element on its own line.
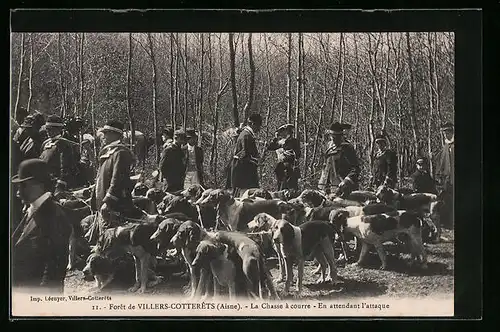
<point>287,149</point>
<point>41,240</point>
<point>112,193</point>
<point>445,170</point>
<point>385,166</point>
<point>27,141</point>
<point>244,167</point>
<point>59,154</point>
<point>194,160</point>
<point>173,163</point>
<point>341,166</point>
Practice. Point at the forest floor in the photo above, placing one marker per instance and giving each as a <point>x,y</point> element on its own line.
<point>399,280</point>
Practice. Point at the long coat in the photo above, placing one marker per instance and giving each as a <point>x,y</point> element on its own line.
<point>59,154</point>
<point>385,169</point>
<point>286,170</point>
<point>113,183</point>
<point>25,145</point>
<point>40,253</point>
<point>244,167</point>
<point>422,182</point>
<point>198,156</point>
<point>173,167</point>
<point>445,167</point>
<point>346,168</point>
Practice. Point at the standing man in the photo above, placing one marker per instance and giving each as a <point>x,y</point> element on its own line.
<point>244,168</point>
<point>445,170</point>
<point>422,181</point>
<point>341,167</point>
<point>59,154</point>
<point>385,165</point>
<point>173,163</point>
<point>194,162</point>
<point>41,241</point>
<point>287,149</point>
<point>112,193</point>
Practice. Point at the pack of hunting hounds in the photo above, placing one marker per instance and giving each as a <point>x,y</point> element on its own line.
<point>225,243</point>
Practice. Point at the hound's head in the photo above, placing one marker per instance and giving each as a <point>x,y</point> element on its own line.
<point>262,193</point>
<point>387,195</point>
<point>261,222</point>
<point>165,202</point>
<point>339,219</point>
<point>207,251</point>
<point>312,198</point>
<point>97,265</point>
<point>187,236</point>
<point>193,193</point>
<point>216,196</point>
<point>204,196</point>
<point>179,204</point>
<point>156,195</point>
<point>295,212</point>
<point>283,233</point>
<point>165,232</point>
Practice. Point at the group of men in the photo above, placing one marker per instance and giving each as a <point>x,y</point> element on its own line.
<point>41,238</point>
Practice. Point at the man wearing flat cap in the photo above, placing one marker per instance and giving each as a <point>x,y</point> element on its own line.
<point>194,160</point>
<point>244,168</point>
<point>59,154</point>
<point>41,240</point>
<point>113,187</point>
<point>422,181</point>
<point>26,141</point>
<point>341,169</point>
<point>173,163</point>
<point>445,170</point>
<point>385,166</point>
<point>287,149</point>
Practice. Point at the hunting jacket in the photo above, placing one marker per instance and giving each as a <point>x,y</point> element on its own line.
<point>245,161</point>
<point>385,169</point>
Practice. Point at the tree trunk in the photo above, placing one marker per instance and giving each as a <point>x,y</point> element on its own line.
<point>334,99</point>
<point>371,131</point>
<point>200,114</point>
<point>304,115</point>
<point>436,82</point>
<point>236,120</point>
<point>176,86</point>
<point>298,91</point>
<point>289,81</point>
<point>30,79</point>
<point>129,85</point>
<point>155,112</point>
<point>386,86</point>
<point>61,79</point>
<point>269,87</point>
<point>172,94</point>
<point>248,105</point>
<point>342,79</point>
<point>431,101</point>
<point>186,81</point>
<point>82,45</point>
<point>413,106</point>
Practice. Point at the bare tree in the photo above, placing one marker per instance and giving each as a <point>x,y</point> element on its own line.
<point>200,105</point>
<point>129,98</point>
<point>61,80</point>
<point>251,88</point>
<point>155,92</point>
<point>171,86</point>
<point>299,85</point>
<point>289,81</point>
<point>413,106</point>
<point>236,121</point>
<point>30,79</point>
<point>17,116</point>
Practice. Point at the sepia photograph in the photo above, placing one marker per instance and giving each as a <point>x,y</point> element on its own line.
<point>231,173</point>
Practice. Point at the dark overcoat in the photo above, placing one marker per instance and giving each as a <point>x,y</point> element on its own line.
<point>173,167</point>
<point>113,184</point>
<point>244,168</point>
<point>59,154</point>
<point>346,169</point>
<point>40,252</point>
<point>422,182</point>
<point>385,169</point>
<point>286,170</point>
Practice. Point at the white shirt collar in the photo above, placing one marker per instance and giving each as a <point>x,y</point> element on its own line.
<point>38,202</point>
<point>112,144</point>
<point>248,128</point>
<point>190,147</point>
<point>452,140</point>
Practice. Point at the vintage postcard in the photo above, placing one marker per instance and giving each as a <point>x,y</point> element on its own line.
<point>256,174</point>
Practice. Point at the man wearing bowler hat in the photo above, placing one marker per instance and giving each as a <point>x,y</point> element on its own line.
<point>341,167</point>
<point>445,170</point>
<point>385,170</point>
<point>59,154</point>
<point>173,163</point>
<point>112,193</point>
<point>287,149</point>
<point>244,167</point>
<point>41,240</point>
<point>194,160</point>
